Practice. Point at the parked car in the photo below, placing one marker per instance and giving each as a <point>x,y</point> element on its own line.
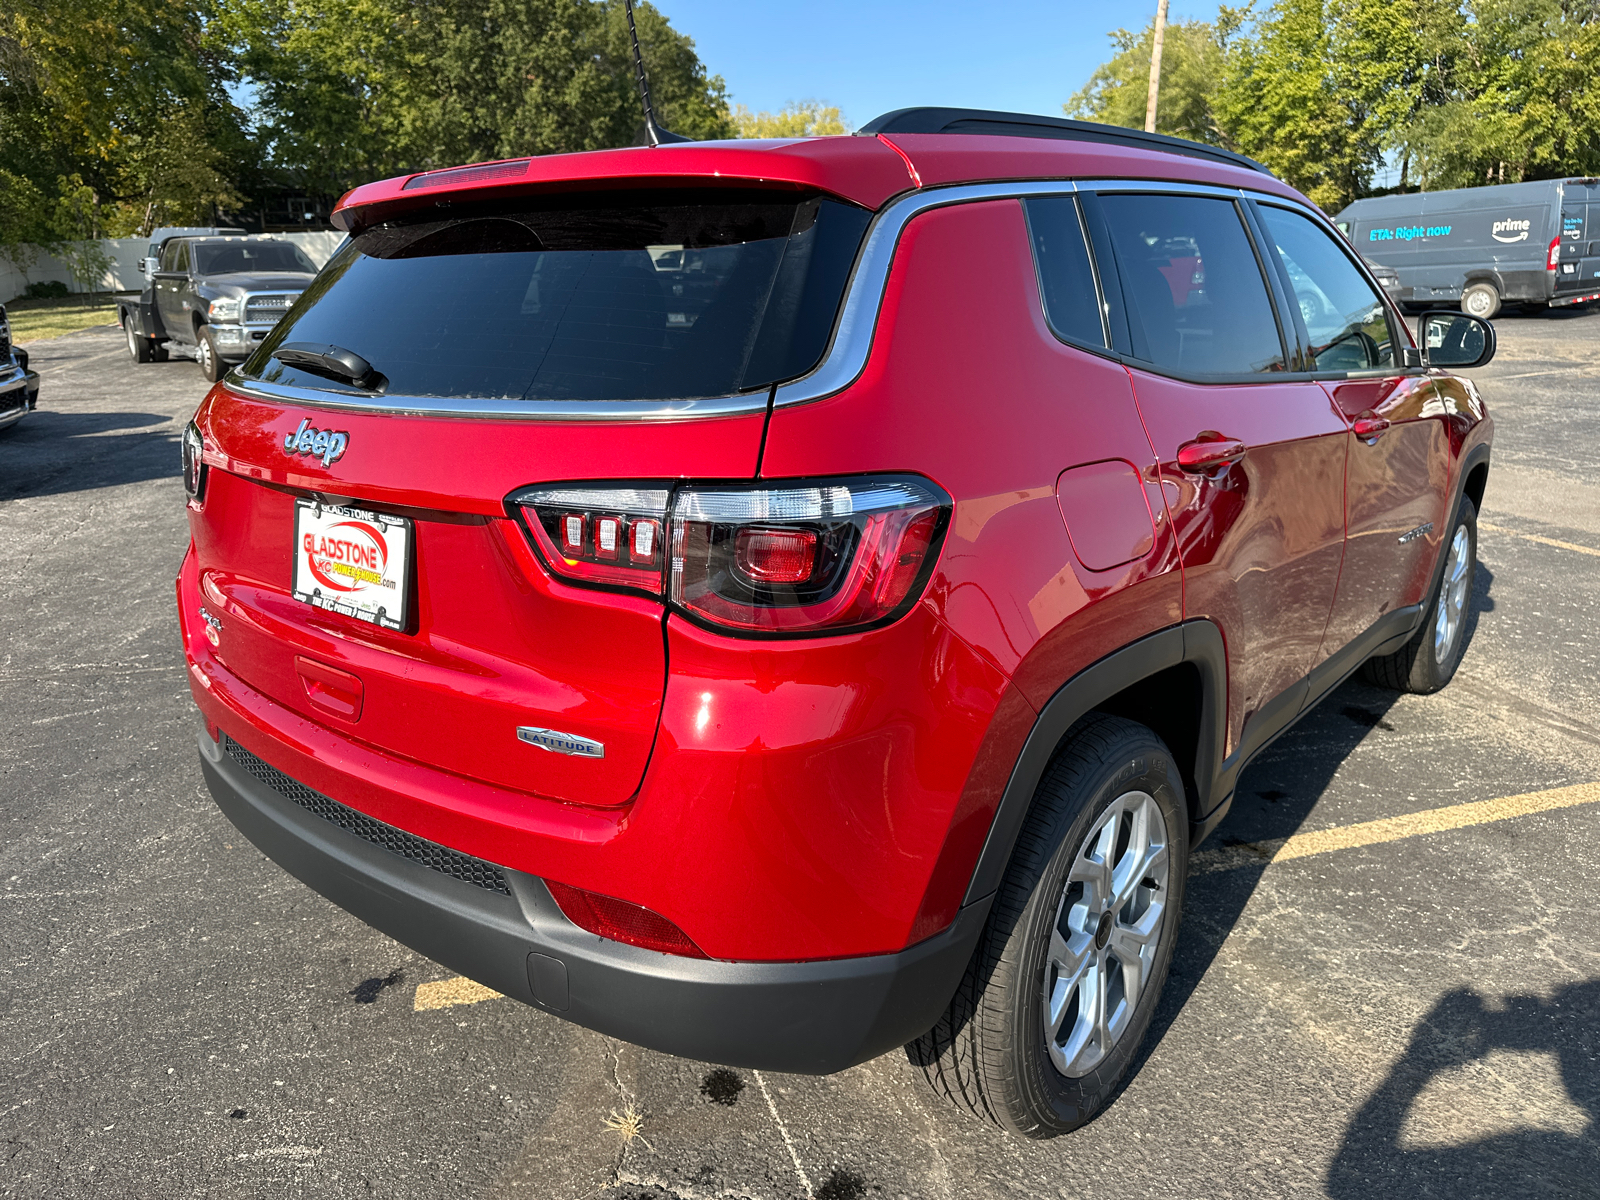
<point>19,386</point>
<point>778,602</point>
<point>1482,247</point>
<point>215,297</point>
<point>1387,278</point>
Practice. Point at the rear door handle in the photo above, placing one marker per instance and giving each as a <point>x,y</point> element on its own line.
<point>1209,451</point>
<point>1369,426</point>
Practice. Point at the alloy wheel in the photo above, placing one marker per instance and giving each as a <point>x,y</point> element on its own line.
<point>203,357</point>
<point>1452,596</point>
<point>1107,933</point>
<point>133,342</point>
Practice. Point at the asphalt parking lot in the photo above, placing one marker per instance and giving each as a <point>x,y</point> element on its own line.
<point>1361,1005</point>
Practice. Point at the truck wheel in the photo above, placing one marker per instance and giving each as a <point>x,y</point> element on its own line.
<point>211,364</point>
<point>140,349</point>
<point>1070,967</point>
<point>1481,300</point>
<point>1427,662</point>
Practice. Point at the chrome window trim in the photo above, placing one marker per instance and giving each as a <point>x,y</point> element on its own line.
<point>515,410</point>
<point>848,348</point>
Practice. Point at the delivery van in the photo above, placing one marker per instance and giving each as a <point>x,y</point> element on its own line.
<point>1484,247</point>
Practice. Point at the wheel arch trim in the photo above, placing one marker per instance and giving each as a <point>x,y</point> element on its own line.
<point>1198,644</point>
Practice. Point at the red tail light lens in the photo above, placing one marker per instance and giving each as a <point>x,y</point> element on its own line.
<point>812,557</point>
<point>820,557</point>
<point>621,921</point>
<point>608,535</point>
<point>775,555</point>
<point>1553,260</point>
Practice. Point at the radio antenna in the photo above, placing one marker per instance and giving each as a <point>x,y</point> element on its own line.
<point>654,132</point>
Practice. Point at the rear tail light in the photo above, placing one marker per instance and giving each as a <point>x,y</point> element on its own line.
<point>813,557</point>
<point>1553,259</point>
<point>194,469</point>
<point>606,535</point>
<point>621,921</point>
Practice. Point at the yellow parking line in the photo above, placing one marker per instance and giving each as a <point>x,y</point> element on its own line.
<point>1543,541</point>
<point>447,993</point>
<point>1393,829</point>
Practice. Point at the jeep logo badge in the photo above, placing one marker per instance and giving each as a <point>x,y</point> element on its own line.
<point>319,443</point>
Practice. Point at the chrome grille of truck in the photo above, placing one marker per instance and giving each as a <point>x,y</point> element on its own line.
<point>396,841</point>
<point>267,308</point>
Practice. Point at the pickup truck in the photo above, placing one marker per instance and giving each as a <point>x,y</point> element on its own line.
<point>213,299</point>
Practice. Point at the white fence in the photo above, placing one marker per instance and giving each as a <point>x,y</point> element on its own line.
<point>127,255</point>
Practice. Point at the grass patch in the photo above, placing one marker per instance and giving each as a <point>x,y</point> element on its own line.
<point>32,320</point>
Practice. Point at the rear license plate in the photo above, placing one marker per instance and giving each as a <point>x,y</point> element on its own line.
<point>351,561</point>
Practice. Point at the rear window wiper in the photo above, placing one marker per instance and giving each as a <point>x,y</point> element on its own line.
<point>335,362</point>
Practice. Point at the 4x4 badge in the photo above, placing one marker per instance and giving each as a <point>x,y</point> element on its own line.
<point>320,443</point>
<point>561,743</point>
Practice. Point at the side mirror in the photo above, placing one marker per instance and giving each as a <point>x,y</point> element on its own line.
<point>151,265</point>
<point>1455,339</point>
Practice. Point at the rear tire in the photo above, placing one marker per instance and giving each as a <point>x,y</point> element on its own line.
<point>1429,660</point>
<point>1066,977</point>
<point>1481,300</point>
<point>139,348</point>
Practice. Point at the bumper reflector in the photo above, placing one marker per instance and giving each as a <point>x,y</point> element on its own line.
<point>621,921</point>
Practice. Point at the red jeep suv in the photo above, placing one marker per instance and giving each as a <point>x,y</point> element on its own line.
<point>778,601</point>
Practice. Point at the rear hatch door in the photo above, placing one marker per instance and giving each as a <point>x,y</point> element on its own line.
<point>590,339</point>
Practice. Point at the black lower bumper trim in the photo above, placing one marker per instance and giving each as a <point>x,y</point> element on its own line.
<point>808,1018</point>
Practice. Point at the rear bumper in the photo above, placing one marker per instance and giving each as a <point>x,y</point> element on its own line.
<point>806,1017</point>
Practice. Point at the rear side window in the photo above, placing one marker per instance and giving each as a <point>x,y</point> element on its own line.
<point>676,296</point>
<point>1345,319</point>
<point>1197,302</point>
<point>1066,278</point>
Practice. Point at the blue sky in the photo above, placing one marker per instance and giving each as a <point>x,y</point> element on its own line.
<point>871,56</point>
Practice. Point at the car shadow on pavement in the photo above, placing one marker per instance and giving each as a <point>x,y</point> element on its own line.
<point>1274,796</point>
<point>1510,1139</point>
<point>49,453</point>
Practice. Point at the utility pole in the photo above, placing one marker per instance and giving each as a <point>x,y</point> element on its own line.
<point>1155,67</point>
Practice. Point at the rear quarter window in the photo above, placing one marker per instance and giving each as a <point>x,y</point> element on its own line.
<point>1066,276</point>
<point>678,296</point>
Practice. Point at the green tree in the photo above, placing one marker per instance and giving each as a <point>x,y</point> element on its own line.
<point>178,176</point>
<point>1515,95</point>
<point>85,83</point>
<point>351,90</point>
<point>796,119</point>
<point>22,221</point>
<point>1314,89</point>
<point>78,227</point>
<point>1192,58</point>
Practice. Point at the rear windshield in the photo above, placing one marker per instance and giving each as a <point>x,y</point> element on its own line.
<point>678,297</point>
<point>253,257</point>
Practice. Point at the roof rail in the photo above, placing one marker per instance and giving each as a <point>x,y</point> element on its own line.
<point>1005,124</point>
